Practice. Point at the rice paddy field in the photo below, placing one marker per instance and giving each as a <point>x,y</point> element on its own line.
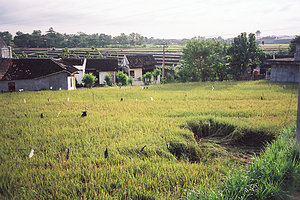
<point>158,143</point>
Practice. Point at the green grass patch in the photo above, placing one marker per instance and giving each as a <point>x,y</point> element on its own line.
<point>175,159</point>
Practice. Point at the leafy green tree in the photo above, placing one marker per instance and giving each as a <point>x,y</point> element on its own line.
<point>292,45</point>
<point>107,79</point>
<point>202,60</point>
<point>244,54</point>
<point>122,78</point>
<point>130,80</point>
<point>7,37</point>
<point>156,73</point>
<point>89,80</point>
<point>146,78</point>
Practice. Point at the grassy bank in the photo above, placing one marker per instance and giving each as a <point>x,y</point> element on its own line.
<point>274,175</point>
<point>69,160</point>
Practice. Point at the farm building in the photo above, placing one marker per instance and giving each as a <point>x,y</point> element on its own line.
<point>137,65</point>
<point>99,67</point>
<point>30,74</point>
<point>80,64</point>
<point>286,69</point>
<point>5,51</point>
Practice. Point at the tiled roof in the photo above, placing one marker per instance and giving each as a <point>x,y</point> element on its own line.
<point>72,61</point>
<point>138,61</point>
<point>101,64</point>
<point>31,68</point>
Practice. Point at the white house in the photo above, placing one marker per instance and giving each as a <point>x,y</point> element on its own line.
<point>137,65</point>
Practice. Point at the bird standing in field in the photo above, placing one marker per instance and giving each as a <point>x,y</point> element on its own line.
<point>106,153</point>
<point>68,153</point>
<point>84,114</point>
<point>42,116</point>
<point>31,153</point>
<point>261,98</point>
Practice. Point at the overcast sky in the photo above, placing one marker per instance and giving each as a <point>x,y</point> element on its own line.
<point>153,18</point>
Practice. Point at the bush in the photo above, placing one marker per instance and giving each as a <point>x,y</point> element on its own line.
<point>107,79</point>
<point>147,78</point>
<point>130,80</point>
<point>122,78</point>
<point>89,80</point>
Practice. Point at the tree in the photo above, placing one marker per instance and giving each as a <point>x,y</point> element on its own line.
<point>89,80</point>
<point>147,78</point>
<point>200,58</point>
<point>156,73</point>
<point>292,45</point>
<point>122,78</point>
<point>107,79</point>
<point>130,80</point>
<point>244,54</point>
<point>7,37</point>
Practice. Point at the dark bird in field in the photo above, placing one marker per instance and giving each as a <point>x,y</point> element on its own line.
<point>25,115</point>
<point>84,114</point>
<point>261,98</point>
<point>105,153</point>
<point>147,87</point>
<point>48,99</point>
<point>121,99</point>
<point>68,153</point>
<point>42,116</point>
<point>142,149</point>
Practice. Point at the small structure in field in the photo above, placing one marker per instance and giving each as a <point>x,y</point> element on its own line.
<point>31,74</point>
<point>137,65</point>
<point>286,69</point>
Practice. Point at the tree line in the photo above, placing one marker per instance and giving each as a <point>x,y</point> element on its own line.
<point>52,39</point>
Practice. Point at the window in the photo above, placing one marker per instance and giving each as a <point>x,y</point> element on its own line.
<point>132,73</point>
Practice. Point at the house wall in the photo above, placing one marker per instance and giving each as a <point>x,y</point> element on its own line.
<point>5,52</point>
<point>285,73</point>
<point>102,75</point>
<point>55,81</point>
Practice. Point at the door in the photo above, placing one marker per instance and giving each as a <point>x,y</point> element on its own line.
<point>11,86</point>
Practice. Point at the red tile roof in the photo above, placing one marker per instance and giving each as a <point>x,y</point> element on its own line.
<point>31,68</point>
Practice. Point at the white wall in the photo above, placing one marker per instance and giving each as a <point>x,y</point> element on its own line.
<point>102,75</point>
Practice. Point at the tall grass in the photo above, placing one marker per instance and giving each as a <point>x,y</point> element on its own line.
<point>173,161</point>
<point>272,176</point>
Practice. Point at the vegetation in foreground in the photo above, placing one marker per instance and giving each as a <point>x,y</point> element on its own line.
<point>275,175</point>
<point>194,135</point>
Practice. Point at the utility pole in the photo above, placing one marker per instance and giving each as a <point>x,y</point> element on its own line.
<point>297,59</point>
<point>163,67</point>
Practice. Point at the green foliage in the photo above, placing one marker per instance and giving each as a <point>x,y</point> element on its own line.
<point>107,79</point>
<point>292,45</point>
<point>89,80</point>
<point>146,78</point>
<point>244,55</point>
<point>122,78</point>
<point>130,80</point>
<point>156,73</point>
<point>203,60</point>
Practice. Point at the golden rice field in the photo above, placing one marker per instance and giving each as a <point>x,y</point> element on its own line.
<point>194,137</point>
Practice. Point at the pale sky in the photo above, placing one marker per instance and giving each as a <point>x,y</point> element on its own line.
<point>153,18</point>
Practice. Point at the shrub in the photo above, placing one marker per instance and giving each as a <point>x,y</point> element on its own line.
<point>122,78</point>
<point>89,80</point>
